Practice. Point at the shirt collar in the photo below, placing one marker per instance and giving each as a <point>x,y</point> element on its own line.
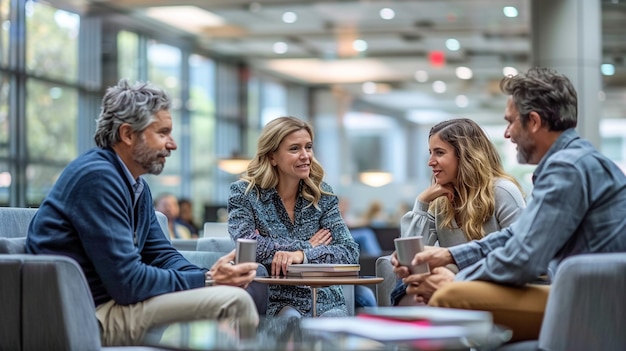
<point>136,184</point>
<point>561,143</point>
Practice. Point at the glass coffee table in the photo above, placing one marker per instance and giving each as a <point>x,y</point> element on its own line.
<point>293,334</point>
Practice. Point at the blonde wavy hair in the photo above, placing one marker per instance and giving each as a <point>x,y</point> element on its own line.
<point>261,173</point>
<point>478,169</point>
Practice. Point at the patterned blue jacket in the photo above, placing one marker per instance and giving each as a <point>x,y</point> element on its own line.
<point>263,210</point>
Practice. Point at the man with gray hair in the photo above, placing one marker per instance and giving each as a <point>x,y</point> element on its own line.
<point>100,213</point>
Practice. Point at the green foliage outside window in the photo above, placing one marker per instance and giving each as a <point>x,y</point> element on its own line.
<point>58,30</point>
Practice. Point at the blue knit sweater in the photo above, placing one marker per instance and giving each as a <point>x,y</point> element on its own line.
<point>89,216</point>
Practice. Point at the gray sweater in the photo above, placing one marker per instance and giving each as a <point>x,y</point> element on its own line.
<point>509,203</point>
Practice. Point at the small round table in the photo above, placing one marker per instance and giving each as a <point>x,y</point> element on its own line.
<point>319,282</point>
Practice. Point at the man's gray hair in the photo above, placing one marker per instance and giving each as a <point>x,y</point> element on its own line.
<point>123,103</point>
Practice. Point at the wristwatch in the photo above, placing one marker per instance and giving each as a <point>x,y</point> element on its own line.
<point>208,280</point>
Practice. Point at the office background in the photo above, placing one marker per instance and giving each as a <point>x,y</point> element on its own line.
<point>58,57</point>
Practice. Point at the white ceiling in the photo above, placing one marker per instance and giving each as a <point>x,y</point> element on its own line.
<point>320,46</point>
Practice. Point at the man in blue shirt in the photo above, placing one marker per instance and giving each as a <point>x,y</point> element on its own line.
<point>578,205</point>
<point>100,213</point>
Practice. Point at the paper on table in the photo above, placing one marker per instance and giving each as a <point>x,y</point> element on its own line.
<point>381,330</point>
<point>477,322</point>
<point>435,315</point>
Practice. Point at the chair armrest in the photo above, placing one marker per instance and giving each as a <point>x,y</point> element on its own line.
<point>10,302</point>
<point>586,307</point>
<point>57,307</point>
<point>13,245</point>
<point>204,259</point>
<point>185,244</point>
<point>384,269</point>
<point>216,244</point>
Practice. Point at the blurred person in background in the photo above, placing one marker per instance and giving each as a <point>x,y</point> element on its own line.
<point>168,205</point>
<point>185,217</point>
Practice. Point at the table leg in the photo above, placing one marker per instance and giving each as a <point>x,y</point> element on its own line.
<point>314,301</point>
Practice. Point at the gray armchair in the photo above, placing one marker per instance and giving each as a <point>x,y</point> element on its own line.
<point>586,309</point>
<point>384,269</point>
<point>45,302</point>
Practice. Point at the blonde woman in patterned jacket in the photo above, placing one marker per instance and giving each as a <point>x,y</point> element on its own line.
<point>283,203</point>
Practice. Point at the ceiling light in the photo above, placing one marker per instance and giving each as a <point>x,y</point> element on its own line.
<point>387,13</point>
<point>289,17</point>
<point>453,44</point>
<point>509,71</point>
<point>236,164</point>
<point>464,72</point>
<point>280,47</point>
<point>320,71</point>
<point>461,101</point>
<point>359,45</point>
<point>189,18</point>
<point>421,76</point>
<point>510,11</point>
<point>369,88</point>
<point>439,87</point>
<point>375,178</point>
<point>607,69</point>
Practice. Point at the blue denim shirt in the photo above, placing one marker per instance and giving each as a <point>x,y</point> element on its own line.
<point>263,210</point>
<point>578,205</point>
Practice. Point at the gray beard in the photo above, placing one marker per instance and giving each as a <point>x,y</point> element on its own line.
<point>148,159</point>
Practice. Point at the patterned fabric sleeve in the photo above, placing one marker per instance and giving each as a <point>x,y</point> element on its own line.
<point>242,224</point>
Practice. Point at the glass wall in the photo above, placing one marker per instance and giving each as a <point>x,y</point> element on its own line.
<point>164,70</point>
<point>202,126</point>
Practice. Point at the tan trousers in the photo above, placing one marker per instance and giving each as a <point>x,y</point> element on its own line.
<point>127,325</point>
<point>518,308</point>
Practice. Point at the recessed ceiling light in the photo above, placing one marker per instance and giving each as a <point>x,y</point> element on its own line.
<point>453,44</point>
<point>439,87</point>
<point>369,88</point>
<point>387,13</point>
<point>280,47</point>
<point>607,69</point>
<point>289,17</point>
<point>359,45</point>
<point>510,11</point>
<point>461,101</point>
<point>421,76</point>
<point>464,72</point>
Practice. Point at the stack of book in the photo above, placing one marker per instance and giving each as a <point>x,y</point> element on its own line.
<point>323,270</point>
